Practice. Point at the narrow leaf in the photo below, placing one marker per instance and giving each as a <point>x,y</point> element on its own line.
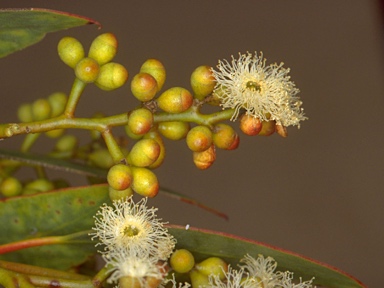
<point>204,243</point>
<point>21,28</point>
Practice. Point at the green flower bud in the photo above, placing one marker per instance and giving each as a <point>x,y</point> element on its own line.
<point>70,51</point>
<point>198,279</point>
<point>199,138</point>
<point>115,195</point>
<point>119,177</point>
<point>175,100</point>
<point>40,185</point>
<point>204,160</point>
<point>144,153</point>
<point>140,121</point>
<point>250,125</point>
<point>182,261</point>
<point>41,109</point>
<point>213,266</point>
<point>103,48</point>
<point>156,136</point>
<point>101,158</point>
<point>58,101</point>
<point>145,182</point>
<point>112,76</point>
<point>225,137</point>
<point>24,113</point>
<point>10,187</point>
<point>155,68</point>
<point>174,130</point>
<point>55,133</point>
<point>67,143</point>
<point>144,87</point>
<point>268,128</point>
<point>87,70</point>
<point>202,82</point>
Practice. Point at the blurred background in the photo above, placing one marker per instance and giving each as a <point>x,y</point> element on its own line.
<point>318,192</point>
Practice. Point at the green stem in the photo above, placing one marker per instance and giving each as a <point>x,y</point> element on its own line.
<point>28,141</point>
<point>74,97</point>
<point>101,276</point>
<point>113,147</point>
<point>14,246</point>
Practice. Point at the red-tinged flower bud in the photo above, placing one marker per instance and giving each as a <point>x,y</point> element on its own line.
<point>140,121</point>
<point>112,76</point>
<point>119,177</point>
<point>144,153</point>
<point>225,137</point>
<point>202,82</point>
<point>10,187</point>
<point>213,266</point>
<point>144,87</point>
<point>199,138</point>
<point>175,100</point>
<point>182,261</point>
<point>103,48</point>
<point>250,125</point>
<point>41,109</point>
<point>174,130</point>
<point>268,128</point>
<point>70,51</point>
<point>281,130</point>
<point>156,136</point>
<point>155,68</point>
<point>204,160</point>
<point>87,70</point>
<point>145,182</point>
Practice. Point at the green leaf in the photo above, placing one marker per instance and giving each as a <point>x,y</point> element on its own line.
<point>56,213</point>
<point>21,28</point>
<point>204,243</point>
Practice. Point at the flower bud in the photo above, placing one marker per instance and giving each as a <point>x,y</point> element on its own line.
<point>24,113</point>
<point>41,109</point>
<point>130,281</point>
<point>213,266</point>
<point>101,158</point>
<point>55,133</point>
<point>103,48</point>
<point>87,70</point>
<point>198,279</point>
<point>225,137</point>
<point>175,100</point>
<point>281,130</point>
<point>144,87</point>
<point>204,160</point>
<point>40,185</point>
<point>140,121</point>
<point>155,68</point>
<point>250,125</point>
<point>67,143</point>
<point>182,261</point>
<point>268,128</point>
<point>145,182</point>
<point>156,136</point>
<point>58,101</point>
<point>202,82</point>
<point>199,138</point>
<point>174,130</point>
<point>119,177</point>
<point>115,195</point>
<point>70,51</point>
<point>144,153</point>
<point>10,187</point>
<point>112,76</point>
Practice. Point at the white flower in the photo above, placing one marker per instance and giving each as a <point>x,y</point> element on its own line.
<point>233,279</point>
<point>133,227</point>
<point>286,282</point>
<point>265,92</point>
<point>125,264</point>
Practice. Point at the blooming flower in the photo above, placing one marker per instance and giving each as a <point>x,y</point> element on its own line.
<point>265,92</point>
<point>133,227</point>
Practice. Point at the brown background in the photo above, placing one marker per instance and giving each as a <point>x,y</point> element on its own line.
<point>320,191</point>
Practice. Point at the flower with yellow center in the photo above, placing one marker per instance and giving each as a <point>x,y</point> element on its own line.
<point>264,92</point>
<point>133,227</point>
